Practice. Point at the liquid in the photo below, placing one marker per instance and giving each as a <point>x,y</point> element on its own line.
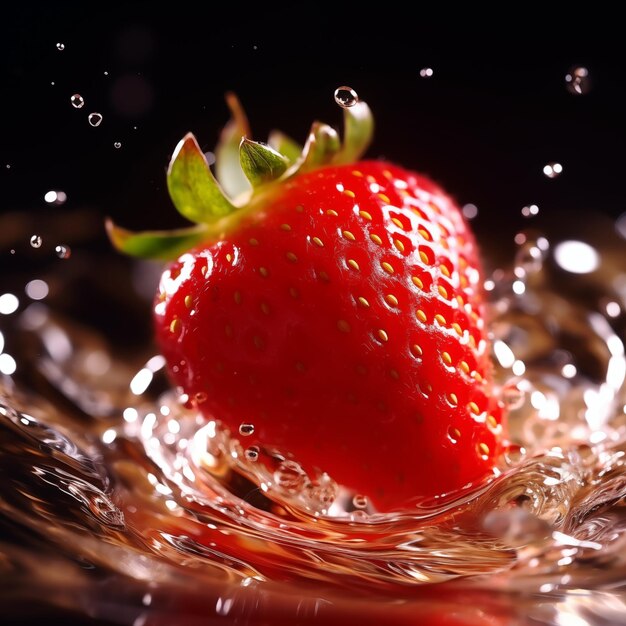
<point>119,505</point>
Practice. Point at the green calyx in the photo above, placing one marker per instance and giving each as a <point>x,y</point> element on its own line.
<point>244,172</point>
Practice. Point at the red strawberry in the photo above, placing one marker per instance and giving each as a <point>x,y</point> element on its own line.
<point>337,309</point>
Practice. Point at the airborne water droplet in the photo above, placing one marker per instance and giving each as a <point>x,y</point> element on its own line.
<point>95,119</point>
<point>246,430</point>
<point>530,210</point>
<point>117,144</point>
<point>426,72</point>
<point>552,170</point>
<point>36,241</point>
<point>577,81</point>
<point>346,97</point>
<point>60,46</point>
<point>55,197</point>
<point>63,252</point>
<point>78,102</point>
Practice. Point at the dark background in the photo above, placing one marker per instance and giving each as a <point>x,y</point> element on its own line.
<point>494,112</point>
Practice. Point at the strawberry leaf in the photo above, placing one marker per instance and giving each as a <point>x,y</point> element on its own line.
<point>321,146</point>
<point>285,145</point>
<point>192,187</point>
<point>227,168</point>
<point>165,245</point>
<point>260,163</point>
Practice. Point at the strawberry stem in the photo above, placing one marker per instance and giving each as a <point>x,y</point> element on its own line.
<point>242,166</point>
<point>227,168</point>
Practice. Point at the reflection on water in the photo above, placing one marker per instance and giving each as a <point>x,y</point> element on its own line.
<point>119,504</point>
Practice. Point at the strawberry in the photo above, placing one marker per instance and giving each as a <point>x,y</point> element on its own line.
<point>332,311</point>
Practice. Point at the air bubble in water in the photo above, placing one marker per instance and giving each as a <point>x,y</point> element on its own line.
<point>36,241</point>
<point>95,119</point>
<point>290,476</point>
<point>346,97</point>
<point>63,251</point>
<point>78,102</point>
<point>577,81</point>
<point>117,144</point>
<point>426,72</point>
<point>552,170</point>
<point>245,430</point>
<point>60,46</point>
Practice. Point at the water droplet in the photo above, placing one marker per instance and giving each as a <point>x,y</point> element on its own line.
<point>245,430</point>
<point>290,476</point>
<point>360,502</point>
<point>346,97</point>
<point>78,102</point>
<point>426,72</point>
<point>63,252</point>
<point>117,144</point>
<point>514,454</point>
<point>95,119</point>
<point>252,453</point>
<point>530,210</point>
<point>60,46</point>
<point>529,257</point>
<point>36,241</point>
<point>470,211</point>
<point>512,396</point>
<point>552,170</point>
<point>577,81</point>
<point>8,166</point>
<point>613,309</point>
<point>322,494</point>
<point>200,397</point>
<point>55,197</point>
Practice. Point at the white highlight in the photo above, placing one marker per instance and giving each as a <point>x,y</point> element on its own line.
<point>577,257</point>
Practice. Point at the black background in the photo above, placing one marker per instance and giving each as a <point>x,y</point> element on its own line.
<point>494,112</point>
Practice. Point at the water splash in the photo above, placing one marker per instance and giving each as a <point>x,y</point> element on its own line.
<point>110,475</point>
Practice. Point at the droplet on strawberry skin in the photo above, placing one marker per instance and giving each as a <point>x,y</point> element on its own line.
<point>330,308</point>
